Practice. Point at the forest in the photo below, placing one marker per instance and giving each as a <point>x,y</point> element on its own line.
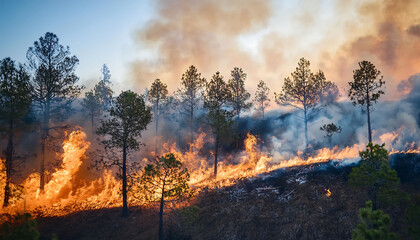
<point>207,161</point>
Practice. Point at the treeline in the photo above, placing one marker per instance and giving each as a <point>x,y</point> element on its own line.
<point>40,93</point>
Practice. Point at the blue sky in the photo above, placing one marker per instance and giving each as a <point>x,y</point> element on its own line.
<point>97,32</point>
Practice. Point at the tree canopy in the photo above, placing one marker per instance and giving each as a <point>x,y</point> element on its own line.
<point>164,180</point>
<point>374,225</point>
<point>128,118</point>
<point>219,116</point>
<point>261,96</point>
<point>191,92</point>
<point>304,91</point>
<point>376,175</point>
<point>365,88</point>
<point>53,85</point>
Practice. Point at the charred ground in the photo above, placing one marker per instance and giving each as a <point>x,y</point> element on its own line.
<point>284,204</point>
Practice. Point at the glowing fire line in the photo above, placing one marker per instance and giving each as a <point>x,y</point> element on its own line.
<point>67,191</point>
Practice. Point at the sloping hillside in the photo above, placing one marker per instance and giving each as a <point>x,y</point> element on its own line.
<point>285,204</point>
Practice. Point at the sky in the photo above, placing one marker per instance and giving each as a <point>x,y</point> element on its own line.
<point>144,40</point>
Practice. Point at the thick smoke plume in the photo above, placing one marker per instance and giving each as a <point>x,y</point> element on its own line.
<point>267,38</point>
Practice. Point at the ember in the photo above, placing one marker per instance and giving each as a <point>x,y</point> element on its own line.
<point>327,192</point>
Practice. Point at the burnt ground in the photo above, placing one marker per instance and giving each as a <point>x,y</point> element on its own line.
<point>285,204</point>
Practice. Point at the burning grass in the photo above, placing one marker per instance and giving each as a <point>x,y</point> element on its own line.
<point>68,191</point>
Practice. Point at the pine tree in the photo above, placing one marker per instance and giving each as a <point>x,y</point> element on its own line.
<point>365,89</point>
<point>216,100</point>
<point>329,130</point>
<point>15,100</point>
<point>103,89</point>
<point>165,180</point>
<point>375,174</point>
<point>374,225</point>
<point>128,118</point>
<point>92,105</point>
<point>239,101</point>
<point>158,95</point>
<point>261,96</point>
<point>190,94</point>
<point>303,91</point>
<point>53,86</point>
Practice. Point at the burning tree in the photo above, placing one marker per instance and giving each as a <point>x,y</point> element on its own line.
<point>190,93</point>
<point>240,96</point>
<point>216,101</point>
<point>165,180</point>
<point>365,89</point>
<point>304,91</point>
<point>53,86</point>
<point>157,95</point>
<point>15,100</point>
<point>261,96</point>
<point>128,118</point>
<point>375,174</point>
<point>329,130</point>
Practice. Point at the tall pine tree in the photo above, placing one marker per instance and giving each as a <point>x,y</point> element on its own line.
<point>53,86</point>
<point>216,100</point>
<point>15,100</point>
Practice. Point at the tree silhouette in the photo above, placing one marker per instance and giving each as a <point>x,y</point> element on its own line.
<point>261,96</point>
<point>216,100</point>
<point>303,91</point>
<point>165,180</point>
<point>15,100</point>
<point>53,86</point>
<point>128,118</point>
<point>365,89</point>
<point>92,105</point>
<point>190,93</point>
<point>157,96</point>
<point>103,90</point>
<point>329,130</point>
<point>240,96</point>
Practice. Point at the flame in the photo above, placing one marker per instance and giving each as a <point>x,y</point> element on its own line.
<point>327,192</point>
<point>68,191</point>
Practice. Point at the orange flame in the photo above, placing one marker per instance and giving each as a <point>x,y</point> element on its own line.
<point>327,192</point>
<point>67,191</point>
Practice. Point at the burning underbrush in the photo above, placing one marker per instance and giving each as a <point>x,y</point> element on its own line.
<point>68,189</point>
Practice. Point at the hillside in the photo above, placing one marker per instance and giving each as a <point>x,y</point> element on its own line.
<point>284,204</point>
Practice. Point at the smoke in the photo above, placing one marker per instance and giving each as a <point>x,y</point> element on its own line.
<point>200,33</point>
<point>267,38</point>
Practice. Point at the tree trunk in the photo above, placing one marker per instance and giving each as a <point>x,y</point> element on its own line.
<point>237,131</point>
<point>306,129</point>
<point>8,165</point>
<point>330,141</point>
<point>91,122</point>
<point>157,127</point>
<point>45,133</point>
<point>161,214</point>
<point>368,119</point>
<point>216,151</point>
<point>368,111</point>
<point>124,185</point>
<point>192,125</point>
